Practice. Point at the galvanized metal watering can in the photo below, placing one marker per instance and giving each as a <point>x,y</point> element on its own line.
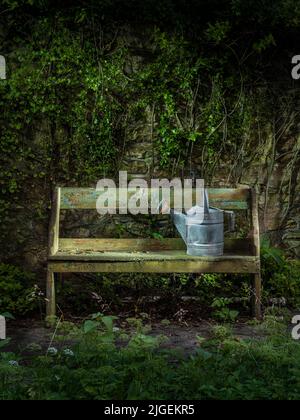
<point>202,228</point>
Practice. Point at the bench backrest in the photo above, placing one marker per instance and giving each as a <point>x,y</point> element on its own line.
<point>223,198</point>
<point>86,199</point>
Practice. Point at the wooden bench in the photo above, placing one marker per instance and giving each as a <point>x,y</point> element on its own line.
<point>150,255</point>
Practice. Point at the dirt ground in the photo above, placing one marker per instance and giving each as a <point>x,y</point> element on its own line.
<point>179,336</point>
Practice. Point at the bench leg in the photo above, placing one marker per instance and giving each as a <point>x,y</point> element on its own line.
<point>256,305</point>
<point>50,305</point>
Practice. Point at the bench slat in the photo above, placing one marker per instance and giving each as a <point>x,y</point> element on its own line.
<point>134,245</point>
<point>179,264</point>
<point>113,244</point>
<point>86,198</point>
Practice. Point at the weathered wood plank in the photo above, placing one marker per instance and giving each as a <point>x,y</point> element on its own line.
<point>54,222</point>
<point>255,223</point>
<point>225,265</point>
<point>113,244</point>
<point>86,198</point>
<point>230,198</point>
<point>50,302</point>
<point>143,256</point>
<point>133,245</point>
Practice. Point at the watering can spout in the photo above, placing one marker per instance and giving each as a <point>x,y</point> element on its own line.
<point>179,219</point>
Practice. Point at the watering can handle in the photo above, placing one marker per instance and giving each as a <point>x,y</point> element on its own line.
<point>231,221</point>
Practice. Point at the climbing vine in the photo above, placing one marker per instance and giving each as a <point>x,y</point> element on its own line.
<point>81,79</point>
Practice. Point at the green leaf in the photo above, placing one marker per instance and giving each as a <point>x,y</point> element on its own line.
<point>4,343</point>
<point>108,322</point>
<point>90,326</point>
<point>8,315</point>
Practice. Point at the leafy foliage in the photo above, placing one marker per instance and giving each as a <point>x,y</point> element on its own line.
<point>281,276</point>
<point>222,311</point>
<point>96,368</point>
<point>77,90</point>
<point>18,295</point>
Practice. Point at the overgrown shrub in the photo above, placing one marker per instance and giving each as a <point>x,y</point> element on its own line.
<point>18,294</point>
<point>281,276</point>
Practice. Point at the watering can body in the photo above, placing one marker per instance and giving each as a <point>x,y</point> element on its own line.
<point>202,229</point>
